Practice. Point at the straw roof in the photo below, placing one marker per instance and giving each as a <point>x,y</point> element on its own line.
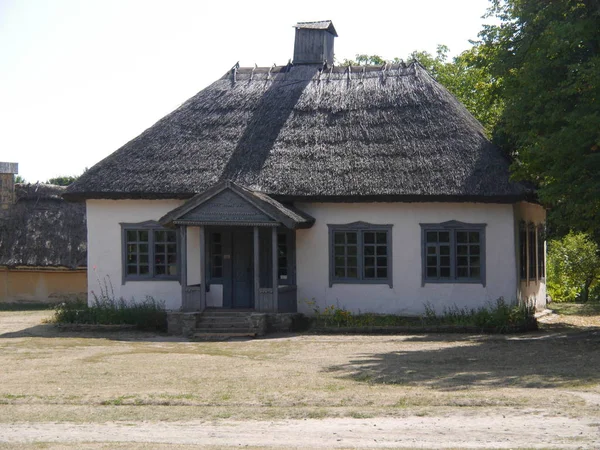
<point>42,229</point>
<point>315,134</point>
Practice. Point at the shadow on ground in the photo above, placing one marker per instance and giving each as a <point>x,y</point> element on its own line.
<point>536,361</point>
<point>49,330</point>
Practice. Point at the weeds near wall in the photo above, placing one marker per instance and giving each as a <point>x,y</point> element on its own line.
<point>497,317</point>
<point>148,314</point>
<point>336,316</point>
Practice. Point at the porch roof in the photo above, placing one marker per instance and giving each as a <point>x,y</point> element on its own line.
<point>228,203</point>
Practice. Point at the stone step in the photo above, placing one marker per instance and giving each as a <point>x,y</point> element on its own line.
<point>230,326</point>
<point>223,319</point>
<point>220,330</point>
<point>221,336</point>
<point>227,312</point>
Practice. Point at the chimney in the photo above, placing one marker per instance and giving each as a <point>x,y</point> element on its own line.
<point>314,43</point>
<point>7,184</point>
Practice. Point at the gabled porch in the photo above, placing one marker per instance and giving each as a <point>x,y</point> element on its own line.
<point>237,250</point>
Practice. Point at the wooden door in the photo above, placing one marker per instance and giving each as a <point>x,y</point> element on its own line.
<point>242,275</point>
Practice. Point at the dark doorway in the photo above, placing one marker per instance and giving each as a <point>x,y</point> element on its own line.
<point>242,273</point>
<point>232,265</point>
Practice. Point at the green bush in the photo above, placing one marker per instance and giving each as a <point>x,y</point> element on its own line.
<point>573,269</point>
<point>498,317</point>
<point>148,314</point>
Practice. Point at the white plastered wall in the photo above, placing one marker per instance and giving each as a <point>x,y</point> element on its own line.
<point>407,296</point>
<point>104,248</point>
<point>532,290</point>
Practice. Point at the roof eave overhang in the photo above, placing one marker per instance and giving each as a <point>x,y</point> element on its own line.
<point>396,198</point>
<point>383,198</point>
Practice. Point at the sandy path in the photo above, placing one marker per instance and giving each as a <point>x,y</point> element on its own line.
<point>490,431</point>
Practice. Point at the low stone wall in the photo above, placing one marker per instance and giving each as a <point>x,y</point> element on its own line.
<point>182,323</point>
<point>281,322</point>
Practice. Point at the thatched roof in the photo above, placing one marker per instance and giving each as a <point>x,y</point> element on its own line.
<point>42,229</point>
<point>307,133</point>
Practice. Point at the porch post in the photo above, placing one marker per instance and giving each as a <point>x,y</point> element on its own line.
<point>203,278</point>
<point>275,270</point>
<point>183,265</point>
<point>257,304</point>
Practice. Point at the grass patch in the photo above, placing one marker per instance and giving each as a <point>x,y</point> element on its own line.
<point>50,375</point>
<point>576,309</point>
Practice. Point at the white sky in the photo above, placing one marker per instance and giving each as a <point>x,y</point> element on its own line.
<point>80,78</point>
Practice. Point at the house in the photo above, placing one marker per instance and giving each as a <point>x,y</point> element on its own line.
<point>42,243</point>
<point>291,187</point>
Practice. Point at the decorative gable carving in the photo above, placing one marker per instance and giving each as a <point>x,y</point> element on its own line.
<point>226,206</point>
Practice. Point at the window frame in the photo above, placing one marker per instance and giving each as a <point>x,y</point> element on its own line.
<point>151,226</point>
<point>209,261</point>
<point>453,226</point>
<point>290,243</point>
<point>360,228</point>
<point>532,260</point>
<point>523,249</point>
<point>541,252</point>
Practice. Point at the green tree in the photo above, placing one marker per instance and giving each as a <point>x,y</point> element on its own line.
<point>470,82</point>
<point>573,268</point>
<point>20,179</point>
<point>545,58</point>
<point>64,180</point>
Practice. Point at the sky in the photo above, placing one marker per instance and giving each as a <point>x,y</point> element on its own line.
<point>80,78</point>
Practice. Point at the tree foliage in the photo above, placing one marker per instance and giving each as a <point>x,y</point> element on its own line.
<point>470,83</point>
<point>545,58</point>
<point>573,268</point>
<point>64,180</point>
<point>366,60</point>
<point>20,179</point>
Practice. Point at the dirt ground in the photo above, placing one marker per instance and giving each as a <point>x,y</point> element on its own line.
<point>139,390</point>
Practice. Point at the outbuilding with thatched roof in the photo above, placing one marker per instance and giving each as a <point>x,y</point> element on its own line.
<point>274,188</point>
<point>43,247</point>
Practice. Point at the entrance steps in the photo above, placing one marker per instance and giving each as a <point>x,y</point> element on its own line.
<point>224,324</point>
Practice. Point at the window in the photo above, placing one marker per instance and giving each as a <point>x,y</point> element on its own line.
<point>541,252</point>
<point>282,256</point>
<point>523,251</point>
<point>286,257</point>
<point>360,253</point>
<point>532,252</point>
<point>532,247</point>
<point>216,256</point>
<point>149,252</point>
<point>453,252</point>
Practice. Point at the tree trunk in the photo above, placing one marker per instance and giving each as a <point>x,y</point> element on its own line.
<point>585,294</point>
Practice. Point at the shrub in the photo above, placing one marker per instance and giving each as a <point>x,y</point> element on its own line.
<point>148,314</point>
<point>573,269</point>
<point>497,317</point>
